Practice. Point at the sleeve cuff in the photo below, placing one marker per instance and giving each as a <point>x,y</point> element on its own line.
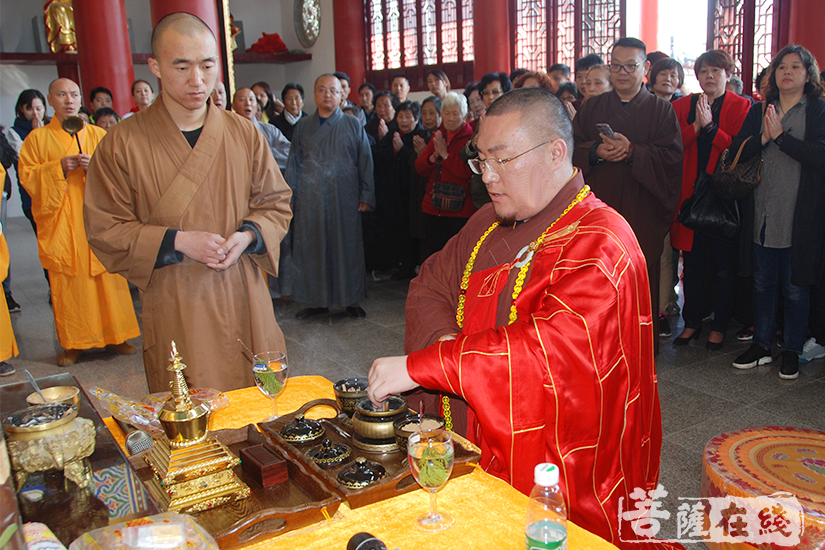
<point>258,246</point>
<point>167,255</point>
<point>594,158</point>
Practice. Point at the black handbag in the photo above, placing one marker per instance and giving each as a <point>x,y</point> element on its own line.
<point>736,180</point>
<point>447,196</point>
<point>706,212</point>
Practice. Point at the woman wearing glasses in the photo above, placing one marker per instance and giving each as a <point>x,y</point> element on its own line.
<point>441,162</point>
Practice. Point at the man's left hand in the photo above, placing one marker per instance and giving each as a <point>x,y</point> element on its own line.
<point>621,147</point>
<point>364,207</point>
<point>388,376</point>
<point>233,247</point>
<point>83,161</point>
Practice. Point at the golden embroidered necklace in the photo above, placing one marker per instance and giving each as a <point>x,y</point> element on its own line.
<point>524,265</point>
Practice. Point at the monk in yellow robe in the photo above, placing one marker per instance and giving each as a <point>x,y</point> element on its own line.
<point>92,308</point>
<point>187,202</point>
<point>8,345</point>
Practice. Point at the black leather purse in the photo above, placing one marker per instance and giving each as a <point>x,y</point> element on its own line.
<point>706,212</point>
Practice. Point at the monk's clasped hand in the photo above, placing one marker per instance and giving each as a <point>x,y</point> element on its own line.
<point>231,250</point>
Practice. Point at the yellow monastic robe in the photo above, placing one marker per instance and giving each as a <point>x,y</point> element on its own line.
<point>92,308</point>
<point>8,345</point>
<point>134,196</point>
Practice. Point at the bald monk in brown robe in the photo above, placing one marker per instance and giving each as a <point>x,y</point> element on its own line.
<point>640,172</point>
<point>186,201</point>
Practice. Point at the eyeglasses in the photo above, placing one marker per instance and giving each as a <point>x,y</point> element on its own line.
<point>494,91</point>
<point>478,165</point>
<point>330,91</point>
<point>629,68</point>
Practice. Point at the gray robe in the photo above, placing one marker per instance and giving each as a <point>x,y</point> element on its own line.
<point>330,171</point>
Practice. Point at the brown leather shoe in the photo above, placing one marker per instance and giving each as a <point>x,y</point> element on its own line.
<point>124,348</point>
<point>69,357</point>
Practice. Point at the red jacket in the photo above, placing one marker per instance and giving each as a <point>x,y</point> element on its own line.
<point>734,110</point>
<point>453,170</point>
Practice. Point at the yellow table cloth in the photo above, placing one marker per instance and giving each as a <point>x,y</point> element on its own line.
<point>488,512</point>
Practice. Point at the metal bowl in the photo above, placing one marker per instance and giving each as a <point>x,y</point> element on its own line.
<point>402,435</point>
<point>348,392</point>
<point>376,424</point>
<point>57,394</point>
<point>40,418</point>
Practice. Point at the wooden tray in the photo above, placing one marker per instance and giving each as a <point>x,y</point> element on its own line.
<point>291,505</point>
<point>399,479</point>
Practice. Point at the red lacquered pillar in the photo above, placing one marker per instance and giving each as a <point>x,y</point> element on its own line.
<point>807,21</point>
<point>650,24</point>
<point>350,43</point>
<point>206,10</point>
<point>104,55</point>
<point>492,37</point>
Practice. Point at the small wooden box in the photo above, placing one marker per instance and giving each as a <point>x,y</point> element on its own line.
<point>264,465</point>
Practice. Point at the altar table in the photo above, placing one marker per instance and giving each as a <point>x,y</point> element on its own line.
<point>488,512</point>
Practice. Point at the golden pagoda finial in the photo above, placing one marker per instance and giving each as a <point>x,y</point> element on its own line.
<point>180,389</point>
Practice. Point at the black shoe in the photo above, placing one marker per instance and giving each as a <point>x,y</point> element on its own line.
<point>311,312</point>
<point>755,356</point>
<point>6,369</point>
<point>790,365</point>
<point>745,334</point>
<point>14,307</point>
<point>664,326</point>
<point>356,312</point>
<point>680,341</point>
<point>715,346</point>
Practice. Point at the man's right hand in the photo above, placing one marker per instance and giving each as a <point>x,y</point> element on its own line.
<point>203,247</point>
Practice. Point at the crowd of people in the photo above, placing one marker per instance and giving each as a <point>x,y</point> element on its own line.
<point>405,186</point>
<point>536,212</point>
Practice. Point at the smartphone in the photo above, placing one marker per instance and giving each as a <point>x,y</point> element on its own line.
<point>606,130</point>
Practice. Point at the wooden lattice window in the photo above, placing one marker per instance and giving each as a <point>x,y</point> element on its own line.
<point>748,30</point>
<point>561,31</point>
<point>414,36</point>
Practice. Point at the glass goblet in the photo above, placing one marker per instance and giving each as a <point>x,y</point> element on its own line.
<point>270,371</point>
<point>431,455</point>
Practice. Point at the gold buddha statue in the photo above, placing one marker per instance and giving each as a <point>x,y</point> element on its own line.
<point>59,18</point>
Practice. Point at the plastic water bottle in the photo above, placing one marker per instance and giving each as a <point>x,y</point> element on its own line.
<point>546,512</point>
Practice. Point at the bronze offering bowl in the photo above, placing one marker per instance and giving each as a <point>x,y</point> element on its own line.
<point>374,430</point>
<point>39,421</point>
<point>57,394</point>
<point>349,392</point>
<point>412,423</point>
<point>360,473</point>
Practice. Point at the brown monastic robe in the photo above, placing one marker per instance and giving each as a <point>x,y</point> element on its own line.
<point>645,190</point>
<point>129,207</point>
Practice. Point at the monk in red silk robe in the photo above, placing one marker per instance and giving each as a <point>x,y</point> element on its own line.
<point>564,371</point>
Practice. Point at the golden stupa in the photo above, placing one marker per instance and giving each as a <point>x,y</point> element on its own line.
<point>192,471</point>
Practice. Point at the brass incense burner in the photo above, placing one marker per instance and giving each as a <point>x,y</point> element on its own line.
<point>192,471</point>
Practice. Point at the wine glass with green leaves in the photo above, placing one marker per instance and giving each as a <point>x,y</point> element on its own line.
<point>270,371</point>
<point>431,455</point>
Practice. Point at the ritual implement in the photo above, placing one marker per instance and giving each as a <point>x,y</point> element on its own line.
<point>192,471</point>
<point>73,125</point>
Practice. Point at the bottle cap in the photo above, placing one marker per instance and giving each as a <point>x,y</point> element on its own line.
<point>546,474</point>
